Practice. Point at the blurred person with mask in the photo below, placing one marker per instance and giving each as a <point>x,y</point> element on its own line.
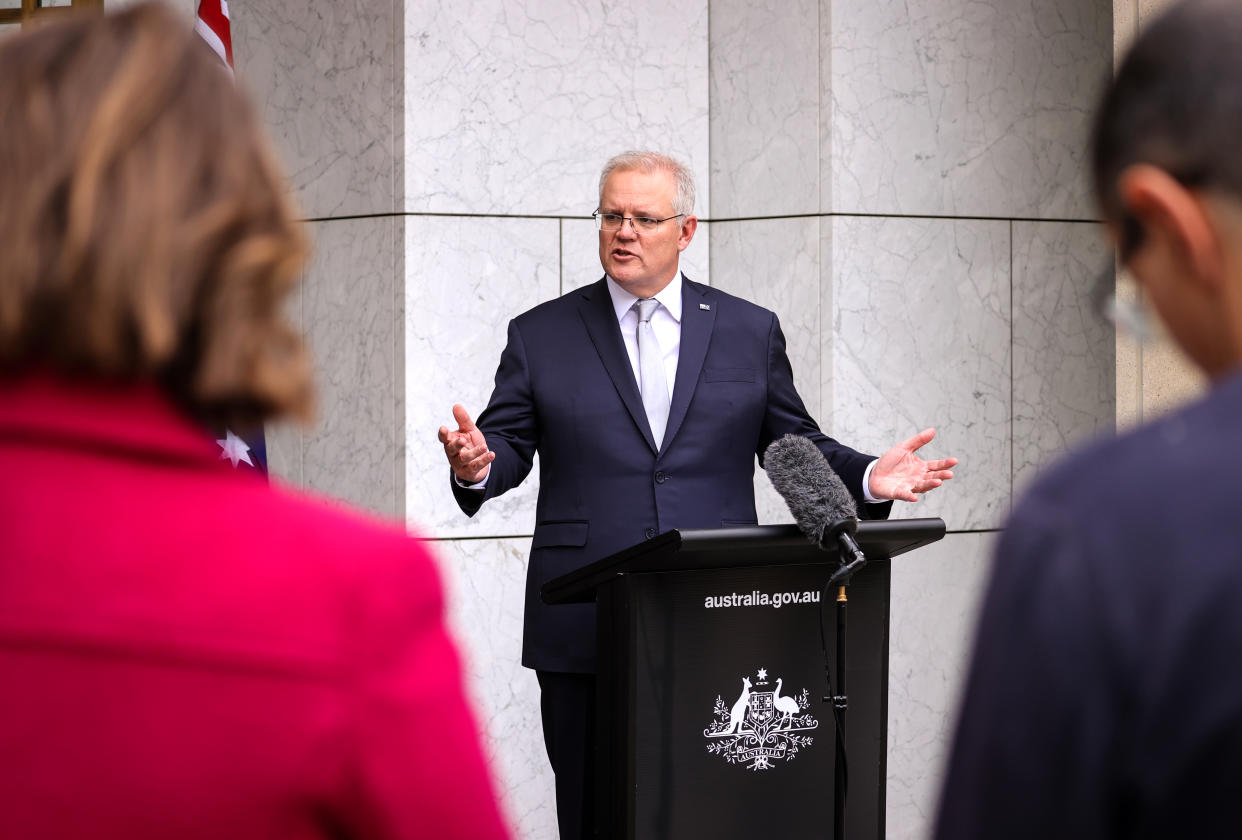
<point>186,651</point>
<point>1105,697</point>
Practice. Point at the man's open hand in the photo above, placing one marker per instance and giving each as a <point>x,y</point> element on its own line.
<point>900,474</point>
<point>466,449</point>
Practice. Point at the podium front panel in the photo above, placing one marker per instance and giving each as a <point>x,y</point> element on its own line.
<point>721,705</point>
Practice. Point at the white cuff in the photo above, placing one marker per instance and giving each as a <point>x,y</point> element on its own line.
<point>479,485</point>
<point>866,488</point>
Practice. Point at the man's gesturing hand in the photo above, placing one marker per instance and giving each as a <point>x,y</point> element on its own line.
<point>466,449</point>
<point>900,474</point>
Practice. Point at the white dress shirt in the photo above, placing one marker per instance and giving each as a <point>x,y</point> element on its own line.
<point>665,323</point>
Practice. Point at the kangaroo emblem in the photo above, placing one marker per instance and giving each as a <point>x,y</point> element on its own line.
<point>738,713</point>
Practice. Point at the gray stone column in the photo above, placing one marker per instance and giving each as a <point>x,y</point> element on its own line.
<point>328,78</point>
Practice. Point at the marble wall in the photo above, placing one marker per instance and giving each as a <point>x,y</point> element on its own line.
<point>902,181</point>
<point>328,86</point>
<point>963,109</point>
<point>936,596</point>
<point>512,107</point>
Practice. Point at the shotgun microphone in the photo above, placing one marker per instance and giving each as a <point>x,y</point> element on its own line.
<point>824,510</point>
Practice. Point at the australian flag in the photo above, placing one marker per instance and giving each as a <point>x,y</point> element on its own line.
<point>211,22</point>
<point>245,452</point>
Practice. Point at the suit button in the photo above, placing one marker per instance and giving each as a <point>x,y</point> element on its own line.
<point>650,533</point>
<point>661,478</point>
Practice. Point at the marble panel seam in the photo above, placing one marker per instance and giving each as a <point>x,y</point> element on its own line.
<point>948,533</point>
<point>398,367</point>
<point>836,214</point>
<point>839,214</point>
<point>479,538</point>
<point>1012,372</point>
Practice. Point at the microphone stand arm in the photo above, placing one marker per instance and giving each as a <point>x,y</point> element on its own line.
<point>852,560</point>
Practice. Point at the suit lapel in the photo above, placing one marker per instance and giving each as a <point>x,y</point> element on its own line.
<point>696,335</point>
<point>600,319</point>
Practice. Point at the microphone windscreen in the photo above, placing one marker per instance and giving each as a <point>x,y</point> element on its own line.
<point>815,494</point>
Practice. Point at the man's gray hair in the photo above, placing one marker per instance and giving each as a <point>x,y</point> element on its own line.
<point>683,198</point>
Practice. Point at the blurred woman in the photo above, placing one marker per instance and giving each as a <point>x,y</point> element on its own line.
<point>185,651</point>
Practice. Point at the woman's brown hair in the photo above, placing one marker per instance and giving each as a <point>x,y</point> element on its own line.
<point>145,230</point>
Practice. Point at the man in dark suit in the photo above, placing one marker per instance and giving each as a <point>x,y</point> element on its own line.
<point>647,397</point>
<point>1105,697</point>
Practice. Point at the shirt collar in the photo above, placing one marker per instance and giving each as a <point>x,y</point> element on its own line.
<point>669,297</point>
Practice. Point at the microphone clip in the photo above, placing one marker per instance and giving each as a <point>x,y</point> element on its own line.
<point>842,534</point>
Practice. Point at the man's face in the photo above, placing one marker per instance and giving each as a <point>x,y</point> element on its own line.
<point>645,262</point>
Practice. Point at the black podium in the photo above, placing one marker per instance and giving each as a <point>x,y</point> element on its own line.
<point>711,678</point>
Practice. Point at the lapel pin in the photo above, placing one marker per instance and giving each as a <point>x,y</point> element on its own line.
<point>706,306</point>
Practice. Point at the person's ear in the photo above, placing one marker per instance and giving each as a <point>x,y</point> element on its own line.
<point>688,226</point>
<point>1168,214</point>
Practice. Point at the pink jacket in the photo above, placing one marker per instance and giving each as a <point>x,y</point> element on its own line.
<point>188,652</point>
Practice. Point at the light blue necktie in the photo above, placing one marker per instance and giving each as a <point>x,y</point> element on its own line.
<point>653,384</point>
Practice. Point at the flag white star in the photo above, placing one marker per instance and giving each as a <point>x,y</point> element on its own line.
<point>763,674</point>
<point>234,449</point>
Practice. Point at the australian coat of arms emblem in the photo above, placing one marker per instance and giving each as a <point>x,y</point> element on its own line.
<point>762,726</point>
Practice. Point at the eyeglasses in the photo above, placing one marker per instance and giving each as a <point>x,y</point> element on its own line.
<point>1127,314</point>
<point>641,224</point>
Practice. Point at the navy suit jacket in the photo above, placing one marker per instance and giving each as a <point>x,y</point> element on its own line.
<point>1105,695</point>
<point>565,388</point>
